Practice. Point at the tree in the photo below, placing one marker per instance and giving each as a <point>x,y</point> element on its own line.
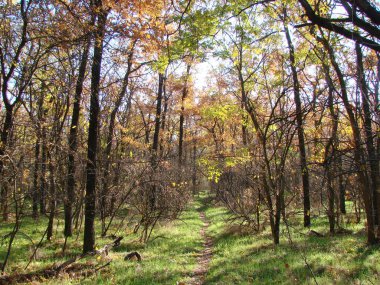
<point>300,128</point>
<point>70,188</point>
<point>10,69</point>
<point>359,154</point>
<point>362,14</point>
<point>100,15</point>
<point>372,158</point>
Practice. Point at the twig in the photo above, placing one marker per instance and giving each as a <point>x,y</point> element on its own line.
<point>101,267</point>
<point>302,253</point>
<point>160,236</point>
<point>35,249</point>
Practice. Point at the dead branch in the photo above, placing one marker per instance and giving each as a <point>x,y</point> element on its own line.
<point>54,270</point>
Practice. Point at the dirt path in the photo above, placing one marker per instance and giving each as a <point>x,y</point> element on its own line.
<point>204,256</point>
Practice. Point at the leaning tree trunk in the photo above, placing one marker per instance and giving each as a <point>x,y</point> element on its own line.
<point>108,150</point>
<point>301,135</point>
<point>243,95</point>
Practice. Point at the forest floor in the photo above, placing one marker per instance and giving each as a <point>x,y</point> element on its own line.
<point>204,247</point>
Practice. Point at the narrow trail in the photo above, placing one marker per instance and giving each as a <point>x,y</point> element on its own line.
<point>205,255</point>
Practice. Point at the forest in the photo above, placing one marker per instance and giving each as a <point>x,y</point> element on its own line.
<point>190,142</point>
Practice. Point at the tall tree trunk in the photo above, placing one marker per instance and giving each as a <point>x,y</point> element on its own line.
<point>156,135</point>
<point>194,170</point>
<point>342,190</point>
<point>7,128</point>
<point>35,193</point>
<point>42,194</point>
<point>377,105</point>
<point>331,198</point>
<point>73,141</point>
<point>52,204</point>
<point>185,92</point>
<point>4,201</point>
<point>329,159</point>
<point>243,93</point>
<point>90,197</point>
<point>369,142</point>
<point>274,225</point>
<point>243,103</point>
<point>363,178</point>
<point>277,217</point>
<point>301,135</point>
<point>6,76</point>
<point>157,122</point>
<point>163,121</point>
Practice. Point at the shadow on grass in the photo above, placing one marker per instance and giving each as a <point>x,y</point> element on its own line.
<point>253,259</point>
<point>260,264</point>
<point>206,201</point>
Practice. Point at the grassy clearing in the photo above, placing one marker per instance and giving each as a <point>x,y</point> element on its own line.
<point>170,256</point>
<point>252,259</point>
<point>239,258</point>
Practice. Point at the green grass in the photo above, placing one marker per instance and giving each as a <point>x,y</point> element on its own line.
<point>253,259</point>
<point>239,258</point>
<point>169,257</point>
